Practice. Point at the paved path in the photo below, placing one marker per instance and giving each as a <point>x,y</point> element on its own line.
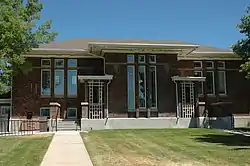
<point>66,148</point>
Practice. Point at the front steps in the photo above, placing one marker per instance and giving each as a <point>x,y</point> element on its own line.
<point>67,125</point>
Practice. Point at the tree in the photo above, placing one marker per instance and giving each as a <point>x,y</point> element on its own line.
<point>19,33</point>
<point>242,47</point>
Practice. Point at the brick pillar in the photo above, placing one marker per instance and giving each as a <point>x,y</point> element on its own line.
<point>55,109</point>
<point>85,109</point>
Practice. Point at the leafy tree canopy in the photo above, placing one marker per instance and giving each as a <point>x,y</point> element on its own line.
<point>242,47</point>
<point>19,33</point>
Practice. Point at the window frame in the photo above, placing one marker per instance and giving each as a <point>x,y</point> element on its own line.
<point>150,61</point>
<point>70,67</point>
<point>145,85</point>
<point>211,94</point>
<point>41,84</point>
<point>212,62</point>
<point>59,67</point>
<point>62,81</point>
<point>225,83</point>
<point>46,65</point>
<point>42,108</point>
<point>156,87</point>
<point>71,95</point>
<point>224,65</point>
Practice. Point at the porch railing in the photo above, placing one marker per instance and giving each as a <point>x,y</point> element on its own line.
<point>15,127</point>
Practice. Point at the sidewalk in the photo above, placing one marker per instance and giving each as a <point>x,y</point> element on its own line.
<point>66,148</point>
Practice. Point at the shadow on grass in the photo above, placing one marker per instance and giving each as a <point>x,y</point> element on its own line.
<point>226,139</point>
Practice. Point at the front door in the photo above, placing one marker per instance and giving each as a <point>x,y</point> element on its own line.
<point>95,98</point>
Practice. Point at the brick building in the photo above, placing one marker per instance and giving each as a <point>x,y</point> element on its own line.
<point>129,79</point>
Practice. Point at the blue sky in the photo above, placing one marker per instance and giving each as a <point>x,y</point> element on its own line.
<point>205,22</point>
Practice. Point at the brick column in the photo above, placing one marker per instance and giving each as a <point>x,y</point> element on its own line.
<point>55,109</point>
<point>85,109</point>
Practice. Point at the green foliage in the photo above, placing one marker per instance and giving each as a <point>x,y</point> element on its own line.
<point>242,47</point>
<point>20,32</point>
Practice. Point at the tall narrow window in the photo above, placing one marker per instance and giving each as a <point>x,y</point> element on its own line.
<point>131,83</point>
<point>153,81</point>
<point>59,77</point>
<point>45,77</point>
<point>142,81</point>
<point>210,77</point>
<point>46,82</point>
<point>221,81</point>
<point>72,77</point>
<point>198,73</point>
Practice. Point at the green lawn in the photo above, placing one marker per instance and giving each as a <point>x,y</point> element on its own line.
<point>167,147</point>
<point>23,150</point>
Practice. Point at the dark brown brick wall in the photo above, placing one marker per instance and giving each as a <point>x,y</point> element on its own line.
<point>26,88</point>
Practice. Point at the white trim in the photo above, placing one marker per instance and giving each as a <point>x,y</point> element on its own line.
<point>7,101</point>
<point>42,108</point>
<point>54,104</point>
<point>145,80</point>
<point>71,108</point>
<point>225,84</point>
<point>143,44</point>
<point>185,78</point>
<point>45,60</point>
<point>212,52</point>
<point>212,83</point>
<point>93,77</point>
<point>50,85</point>
<point>58,49</point>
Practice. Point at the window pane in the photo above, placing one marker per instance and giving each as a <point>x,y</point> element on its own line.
<point>152,59</point>
<point>209,64</point>
<point>153,86</point>
<point>198,64</point>
<point>221,64</point>
<point>72,112</point>
<point>200,84</point>
<point>45,112</point>
<point>59,82</point>
<point>59,63</point>
<point>131,87</point>
<point>72,62</point>
<point>142,86</point>
<point>45,62</point>
<point>45,87</point>
<point>130,58</point>
<point>72,82</point>
<point>221,82</point>
<point>141,59</point>
<point>210,82</point>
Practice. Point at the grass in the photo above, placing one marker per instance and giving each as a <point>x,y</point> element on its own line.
<point>167,147</point>
<point>23,150</point>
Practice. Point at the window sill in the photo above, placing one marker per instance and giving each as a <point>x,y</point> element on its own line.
<point>223,95</point>
<point>211,95</point>
<point>45,96</point>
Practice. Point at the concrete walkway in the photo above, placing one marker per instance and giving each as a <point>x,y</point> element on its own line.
<point>66,148</point>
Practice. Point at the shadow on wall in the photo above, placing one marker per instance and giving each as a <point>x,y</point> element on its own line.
<point>226,139</point>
